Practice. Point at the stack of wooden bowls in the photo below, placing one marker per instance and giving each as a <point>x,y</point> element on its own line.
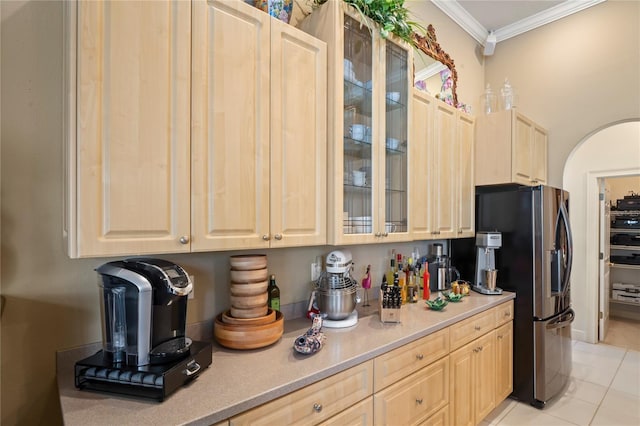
<point>249,323</point>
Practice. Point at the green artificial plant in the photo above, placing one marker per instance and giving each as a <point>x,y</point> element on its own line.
<point>391,15</point>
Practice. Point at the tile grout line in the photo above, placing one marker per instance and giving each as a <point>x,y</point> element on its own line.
<point>595,413</point>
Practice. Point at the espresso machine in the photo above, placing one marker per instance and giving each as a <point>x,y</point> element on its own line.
<point>486,273</point>
<point>145,350</point>
<point>441,273</point>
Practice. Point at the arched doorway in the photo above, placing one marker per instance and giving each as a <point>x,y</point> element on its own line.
<point>611,151</point>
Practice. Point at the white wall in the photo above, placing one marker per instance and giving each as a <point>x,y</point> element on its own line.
<point>610,152</point>
<point>574,75</point>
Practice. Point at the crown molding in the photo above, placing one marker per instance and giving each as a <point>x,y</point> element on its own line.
<point>460,16</point>
<point>476,30</point>
<point>545,17</point>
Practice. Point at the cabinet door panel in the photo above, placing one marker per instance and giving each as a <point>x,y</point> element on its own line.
<point>394,189</point>
<point>485,376</point>
<point>132,134</point>
<point>414,399</point>
<point>421,139</point>
<point>230,126</point>
<point>461,390</point>
<point>504,362</point>
<point>522,148</point>
<point>443,159</point>
<point>539,168</point>
<point>465,176</point>
<point>298,137</point>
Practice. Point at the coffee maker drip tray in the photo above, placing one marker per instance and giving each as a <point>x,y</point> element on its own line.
<point>155,381</point>
<point>171,350</point>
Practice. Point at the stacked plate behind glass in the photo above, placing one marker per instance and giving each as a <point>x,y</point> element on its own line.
<point>249,323</point>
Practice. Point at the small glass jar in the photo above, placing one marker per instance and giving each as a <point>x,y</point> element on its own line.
<point>507,96</point>
<point>488,100</point>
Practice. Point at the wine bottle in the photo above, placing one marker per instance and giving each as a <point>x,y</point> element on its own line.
<point>274,294</point>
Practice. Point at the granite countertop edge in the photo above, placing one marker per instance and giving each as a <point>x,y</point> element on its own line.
<point>237,381</point>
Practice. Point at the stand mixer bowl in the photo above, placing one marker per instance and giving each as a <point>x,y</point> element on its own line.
<point>337,304</point>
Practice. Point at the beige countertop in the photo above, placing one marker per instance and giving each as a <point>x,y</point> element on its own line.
<point>239,380</point>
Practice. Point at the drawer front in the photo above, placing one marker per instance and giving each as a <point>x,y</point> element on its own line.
<point>401,362</point>
<point>471,328</point>
<point>360,414</point>
<point>440,418</point>
<point>503,313</point>
<point>415,398</point>
<point>314,403</point>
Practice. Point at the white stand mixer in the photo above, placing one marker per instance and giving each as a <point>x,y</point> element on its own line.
<point>335,295</point>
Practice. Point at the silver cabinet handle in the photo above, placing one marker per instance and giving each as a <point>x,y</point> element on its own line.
<point>507,314</point>
<point>419,400</point>
<point>184,240</point>
<point>475,350</point>
<point>265,237</point>
<point>278,237</point>
<point>317,407</point>
<point>477,327</point>
<point>420,356</point>
<point>499,336</point>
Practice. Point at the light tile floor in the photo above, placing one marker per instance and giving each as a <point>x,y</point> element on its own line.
<point>604,389</point>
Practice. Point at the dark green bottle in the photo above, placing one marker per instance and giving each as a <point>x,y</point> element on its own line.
<point>274,294</point>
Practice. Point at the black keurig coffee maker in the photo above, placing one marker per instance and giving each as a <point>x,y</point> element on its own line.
<point>145,351</point>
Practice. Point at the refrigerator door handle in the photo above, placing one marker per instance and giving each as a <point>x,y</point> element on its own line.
<point>567,273</point>
<point>563,321</point>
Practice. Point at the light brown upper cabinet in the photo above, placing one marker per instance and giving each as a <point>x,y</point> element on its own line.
<point>259,131</point>
<point>442,155</point>
<point>192,126</point>
<point>369,82</point>
<point>510,148</point>
<point>128,126</point>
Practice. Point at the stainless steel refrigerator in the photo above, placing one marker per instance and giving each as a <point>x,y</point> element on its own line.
<point>535,263</point>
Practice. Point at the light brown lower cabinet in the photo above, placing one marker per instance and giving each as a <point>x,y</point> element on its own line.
<point>315,403</point>
<point>455,376</point>
<point>415,398</point>
<point>504,361</point>
<point>361,414</point>
<point>472,381</point>
<point>440,418</point>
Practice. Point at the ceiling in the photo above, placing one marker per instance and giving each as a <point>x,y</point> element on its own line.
<point>492,21</point>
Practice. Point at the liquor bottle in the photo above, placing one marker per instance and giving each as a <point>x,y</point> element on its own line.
<point>402,282</point>
<point>274,294</point>
<point>412,288</point>
<point>390,271</point>
<point>426,294</point>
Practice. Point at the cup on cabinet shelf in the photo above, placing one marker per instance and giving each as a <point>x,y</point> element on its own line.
<point>359,178</point>
<point>357,132</point>
<point>393,143</point>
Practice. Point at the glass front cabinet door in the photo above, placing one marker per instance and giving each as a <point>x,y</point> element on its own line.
<point>368,104</point>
